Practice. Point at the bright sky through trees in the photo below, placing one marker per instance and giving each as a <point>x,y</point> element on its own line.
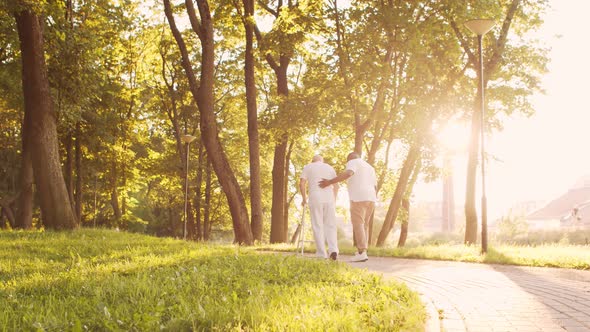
<point>540,157</point>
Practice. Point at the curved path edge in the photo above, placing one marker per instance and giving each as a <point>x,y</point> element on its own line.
<point>486,297</point>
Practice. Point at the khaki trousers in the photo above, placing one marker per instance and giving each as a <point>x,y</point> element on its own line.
<point>360,213</point>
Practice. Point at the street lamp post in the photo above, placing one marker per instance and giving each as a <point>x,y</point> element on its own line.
<point>480,27</point>
<point>187,139</point>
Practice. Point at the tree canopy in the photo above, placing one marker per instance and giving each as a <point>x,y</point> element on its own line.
<point>263,85</point>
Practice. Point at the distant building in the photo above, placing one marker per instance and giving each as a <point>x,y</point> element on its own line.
<point>570,210</point>
<point>524,208</point>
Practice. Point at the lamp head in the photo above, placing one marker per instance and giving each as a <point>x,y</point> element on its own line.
<point>480,26</point>
<point>187,138</point>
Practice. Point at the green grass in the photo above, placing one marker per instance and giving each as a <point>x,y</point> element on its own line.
<point>106,280</point>
<point>548,255</point>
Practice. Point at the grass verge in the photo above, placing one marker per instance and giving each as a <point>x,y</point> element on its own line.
<point>106,280</point>
<point>548,255</point>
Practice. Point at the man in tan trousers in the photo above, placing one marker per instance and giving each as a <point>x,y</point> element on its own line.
<point>362,191</point>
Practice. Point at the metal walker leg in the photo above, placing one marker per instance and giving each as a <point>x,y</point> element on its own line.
<point>302,234</point>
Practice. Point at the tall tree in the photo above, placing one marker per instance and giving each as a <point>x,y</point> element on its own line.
<point>526,16</point>
<point>279,182</point>
<point>372,43</point>
<point>252,110</point>
<point>291,23</point>
<point>203,94</point>
<point>172,104</point>
<point>56,208</point>
<point>470,210</point>
<point>400,192</point>
<point>403,234</point>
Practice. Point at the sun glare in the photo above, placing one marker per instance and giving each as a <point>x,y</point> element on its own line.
<point>454,137</point>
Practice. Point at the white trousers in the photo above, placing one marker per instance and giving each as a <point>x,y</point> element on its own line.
<point>323,224</point>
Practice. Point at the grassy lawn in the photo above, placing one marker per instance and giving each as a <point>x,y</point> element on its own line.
<point>548,255</point>
<point>107,280</point>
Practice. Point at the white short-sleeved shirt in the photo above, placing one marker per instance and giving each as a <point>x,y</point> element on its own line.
<point>361,185</point>
<point>314,173</point>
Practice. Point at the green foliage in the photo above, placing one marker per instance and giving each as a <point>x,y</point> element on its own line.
<point>510,227</point>
<point>9,150</point>
<point>10,106</point>
<point>532,237</point>
<point>565,256</point>
<point>292,26</point>
<point>106,280</point>
<point>115,69</point>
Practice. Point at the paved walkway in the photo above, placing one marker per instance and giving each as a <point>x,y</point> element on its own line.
<point>479,297</point>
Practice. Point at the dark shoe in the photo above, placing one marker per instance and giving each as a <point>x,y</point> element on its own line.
<point>333,256</point>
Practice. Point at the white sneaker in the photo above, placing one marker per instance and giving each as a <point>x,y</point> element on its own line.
<point>360,257</point>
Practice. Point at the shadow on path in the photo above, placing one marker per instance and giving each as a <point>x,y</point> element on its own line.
<point>481,297</point>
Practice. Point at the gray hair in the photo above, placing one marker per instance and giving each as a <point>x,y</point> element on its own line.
<point>353,155</point>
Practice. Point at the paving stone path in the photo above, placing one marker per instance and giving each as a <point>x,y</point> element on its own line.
<point>479,297</point>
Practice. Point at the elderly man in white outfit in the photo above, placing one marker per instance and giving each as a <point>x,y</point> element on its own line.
<point>321,205</point>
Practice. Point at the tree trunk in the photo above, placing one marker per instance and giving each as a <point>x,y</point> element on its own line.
<point>286,193</point>
<point>171,221</point>
<point>24,217</point>
<point>403,235</point>
<point>207,211</point>
<point>295,236</point>
<point>490,67</point>
<point>193,230</point>
<point>94,212</point>
<point>190,220</point>
<point>369,230</point>
<point>6,210</point>
<point>380,181</point>
<point>190,223</point>
<point>203,95</point>
<point>277,224</point>
<point>400,191</point>
<point>253,142</point>
<point>279,180</point>
<point>78,196</point>
<point>277,228</point>
<point>56,208</point>
<point>69,166</point>
<point>470,210</point>
<point>114,194</point>
<point>198,192</point>
<point>124,182</point>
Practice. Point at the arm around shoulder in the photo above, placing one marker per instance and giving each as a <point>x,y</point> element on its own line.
<point>340,177</point>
